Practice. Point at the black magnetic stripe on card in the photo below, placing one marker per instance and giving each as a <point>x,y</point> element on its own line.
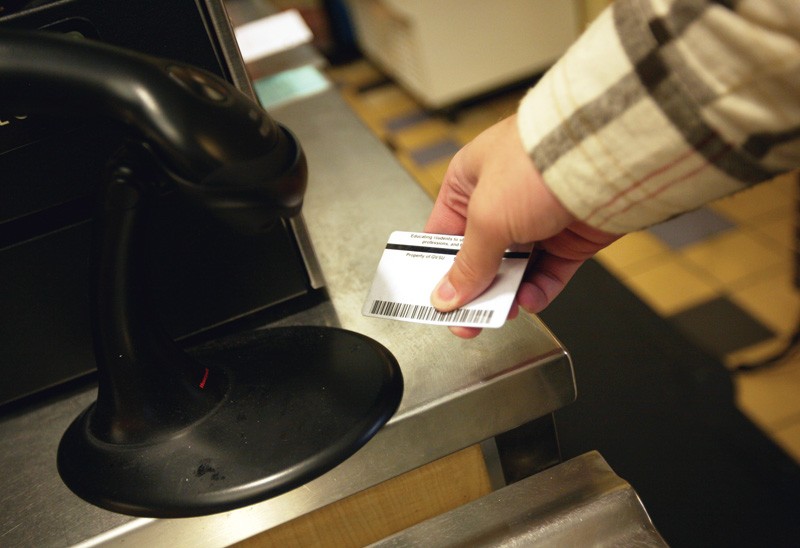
<point>451,251</point>
<point>423,249</point>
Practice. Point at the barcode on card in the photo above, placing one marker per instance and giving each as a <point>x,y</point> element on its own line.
<point>423,313</point>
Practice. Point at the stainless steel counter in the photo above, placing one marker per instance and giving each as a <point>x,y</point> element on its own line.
<point>581,502</point>
<point>457,392</point>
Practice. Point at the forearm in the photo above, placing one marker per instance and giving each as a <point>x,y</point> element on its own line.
<point>663,106</point>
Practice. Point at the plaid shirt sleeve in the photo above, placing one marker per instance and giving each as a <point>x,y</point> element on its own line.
<point>662,106</point>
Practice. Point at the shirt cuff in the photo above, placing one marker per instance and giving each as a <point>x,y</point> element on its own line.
<point>612,152</point>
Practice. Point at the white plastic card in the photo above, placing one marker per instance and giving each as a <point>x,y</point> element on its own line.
<point>413,263</point>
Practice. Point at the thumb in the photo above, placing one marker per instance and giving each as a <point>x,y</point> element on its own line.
<point>475,267</point>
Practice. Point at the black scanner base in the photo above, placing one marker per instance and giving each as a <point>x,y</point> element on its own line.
<point>299,401</point>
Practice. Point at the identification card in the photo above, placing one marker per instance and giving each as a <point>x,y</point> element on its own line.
<point>413,263</point>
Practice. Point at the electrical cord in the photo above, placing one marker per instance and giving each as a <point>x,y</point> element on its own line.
<point>791,350</point>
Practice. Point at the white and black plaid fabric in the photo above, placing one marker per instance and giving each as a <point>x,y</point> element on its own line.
<point>662,106</point>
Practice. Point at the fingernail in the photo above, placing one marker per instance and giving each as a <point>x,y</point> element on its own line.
<point>444,293</point>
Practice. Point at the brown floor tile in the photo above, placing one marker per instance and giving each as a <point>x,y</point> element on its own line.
<point>770,396</point>
<point>786,184</point>
<point>670,287</point>
<point>762,200</point>
<point>633,254</point>
<point>507,104</point>
<point>789,439</point>
<point>355,75</point>
<point>471,122</point>
<point>778,231</point>
<point>735,256</point>
<point>435,173</point>
<point>388,101</point>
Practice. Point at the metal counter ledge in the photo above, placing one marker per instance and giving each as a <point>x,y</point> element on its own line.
<point>457,393</point>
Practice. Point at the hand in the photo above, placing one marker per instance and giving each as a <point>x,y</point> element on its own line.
<point>493,194</point>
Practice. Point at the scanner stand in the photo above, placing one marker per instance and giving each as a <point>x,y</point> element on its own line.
<point>245,419</point>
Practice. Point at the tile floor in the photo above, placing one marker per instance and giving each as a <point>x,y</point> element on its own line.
<point>723,274</point>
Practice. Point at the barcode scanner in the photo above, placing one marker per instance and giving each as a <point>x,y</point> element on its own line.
<point>220,148</point>
<point>175,434</point>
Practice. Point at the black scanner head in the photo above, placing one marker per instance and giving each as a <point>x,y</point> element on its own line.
<point>222,150</point>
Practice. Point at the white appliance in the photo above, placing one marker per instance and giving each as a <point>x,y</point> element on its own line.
<point>447,51</point>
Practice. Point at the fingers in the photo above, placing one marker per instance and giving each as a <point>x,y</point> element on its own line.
<point>549,274</point>
<point>472,332</point>
<point>474,269</point>
<point>465,332</point>
<point>494,195</point>
<point>449,214</point>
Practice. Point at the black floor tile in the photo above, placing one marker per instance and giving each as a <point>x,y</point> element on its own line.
<point>720,327</point>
